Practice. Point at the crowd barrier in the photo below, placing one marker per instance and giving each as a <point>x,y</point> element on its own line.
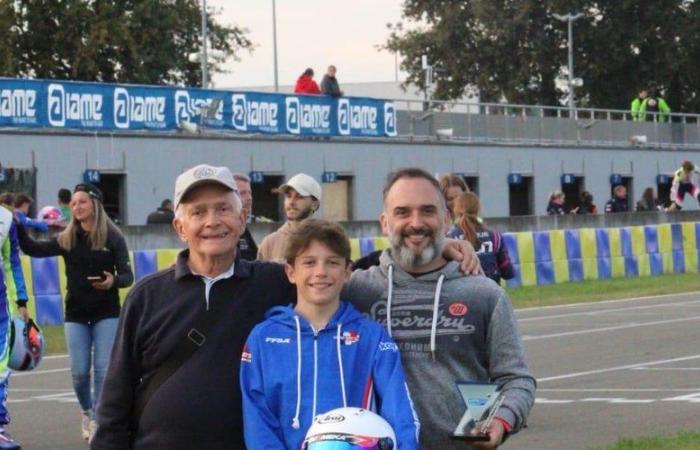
<point>539,257</point>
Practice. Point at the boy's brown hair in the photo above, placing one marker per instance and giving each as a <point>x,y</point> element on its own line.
<point>688,166</point>
<point>324,232</point>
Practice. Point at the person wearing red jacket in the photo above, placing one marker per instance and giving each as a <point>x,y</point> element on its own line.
<point>306,84</point>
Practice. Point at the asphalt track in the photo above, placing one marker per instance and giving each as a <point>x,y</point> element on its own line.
<point>605,370</point>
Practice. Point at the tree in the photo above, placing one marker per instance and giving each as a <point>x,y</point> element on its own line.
<point>127,41</point>
<point>515,50</point>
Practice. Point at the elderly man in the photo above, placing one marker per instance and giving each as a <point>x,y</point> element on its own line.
<point>302,197</point>
<point>448,327</point>
<point>173,378</point>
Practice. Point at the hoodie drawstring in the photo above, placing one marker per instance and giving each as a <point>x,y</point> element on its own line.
<point>295,420</point>
<point>388,301</point>
<point>436,307</point>
<point>340,367</point>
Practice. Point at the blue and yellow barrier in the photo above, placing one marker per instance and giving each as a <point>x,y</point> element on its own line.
<point>539,258</point>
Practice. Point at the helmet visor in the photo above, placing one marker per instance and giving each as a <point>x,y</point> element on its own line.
<point>347,442</point>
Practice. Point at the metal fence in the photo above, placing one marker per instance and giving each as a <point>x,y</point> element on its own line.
<point>545,125</point>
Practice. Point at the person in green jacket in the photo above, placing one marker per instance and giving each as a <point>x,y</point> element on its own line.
<point>636,105</point>
<point>655,108</point>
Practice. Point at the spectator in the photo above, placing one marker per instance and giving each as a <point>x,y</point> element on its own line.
<point>306,84</point>
<point>247,248</point>
<point>555,207</point>
<point>302,197</point>
<point>97,265</point>
<point>619,201</point>
<point>587,206</point>
<point>64,196</point>
<point>276,380</point>
<point>329,83</point>
<point>452,186</point>
<point>636,105</point>
<point>7,200</point>
<point>683,184</point>
<point>654,108</point>
<point>163,391</point>
<point>164,214</point>
<point>493,254</point>
<point>448,327</point>
<point>648,202</point>
<point>22,204</point>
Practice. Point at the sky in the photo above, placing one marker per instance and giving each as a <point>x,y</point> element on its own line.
<point>310,33</point>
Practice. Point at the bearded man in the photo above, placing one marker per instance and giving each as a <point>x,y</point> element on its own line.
<point>448,327</point>
<point>302,197</point>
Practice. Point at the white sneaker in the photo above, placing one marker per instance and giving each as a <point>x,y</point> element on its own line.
<point>93,429</point>
<point>85,420</point>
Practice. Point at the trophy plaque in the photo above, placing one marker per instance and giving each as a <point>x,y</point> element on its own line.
<point>481,401</point>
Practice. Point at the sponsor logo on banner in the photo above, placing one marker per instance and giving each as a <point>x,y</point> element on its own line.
<point>292,115</point>
<point>187,108</point>
<point>18,105</point>
<point>364,119</point>
<point>314,117</point>
<point>132,111</point>
<point>77,108</point>
<point>390,119</point>
<point>255,115</point>
<point>343,117</point>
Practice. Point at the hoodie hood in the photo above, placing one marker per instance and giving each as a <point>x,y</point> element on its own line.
<point>285,315</point>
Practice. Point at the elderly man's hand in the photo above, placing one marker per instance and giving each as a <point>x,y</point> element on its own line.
<point>463,251</point>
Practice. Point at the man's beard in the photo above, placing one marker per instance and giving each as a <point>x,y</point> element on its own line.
<point>304,214</point>
<point>406,257</point>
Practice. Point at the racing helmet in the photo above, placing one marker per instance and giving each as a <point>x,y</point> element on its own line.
<point>27,344</point>
<point>350,429</point>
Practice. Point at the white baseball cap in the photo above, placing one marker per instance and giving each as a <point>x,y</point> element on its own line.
<point>304,184</point>
<point>199,175</point>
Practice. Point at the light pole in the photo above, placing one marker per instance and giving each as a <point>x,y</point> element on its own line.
<point>570,18</point>
<point>274,43</point>
<point>205,74</point>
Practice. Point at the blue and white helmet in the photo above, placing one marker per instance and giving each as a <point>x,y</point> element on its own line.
<point>27,344</point>
<point>350,429</point>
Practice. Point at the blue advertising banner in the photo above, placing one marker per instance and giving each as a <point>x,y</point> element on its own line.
<point>112,107</point>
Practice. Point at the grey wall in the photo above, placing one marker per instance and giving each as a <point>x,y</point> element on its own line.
<point>151,163</point>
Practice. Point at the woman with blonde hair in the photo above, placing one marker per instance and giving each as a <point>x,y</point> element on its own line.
<point>452,186</point>
<point>493,255</point>
<point>97,265</point>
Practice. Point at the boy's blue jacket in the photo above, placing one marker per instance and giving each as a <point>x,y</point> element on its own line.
<point>289,373</point>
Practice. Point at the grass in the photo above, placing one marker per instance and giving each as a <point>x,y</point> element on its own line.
<point>524,297</point>
<point>685,440</point>
<point>592,291</point>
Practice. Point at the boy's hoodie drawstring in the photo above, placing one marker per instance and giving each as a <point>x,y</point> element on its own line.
<point>295,420</point>
<point>436,308</point>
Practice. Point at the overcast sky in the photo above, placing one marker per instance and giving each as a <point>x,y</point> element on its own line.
<point>310,33</point>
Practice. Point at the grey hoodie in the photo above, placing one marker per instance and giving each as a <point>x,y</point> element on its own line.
<point>475,338</point>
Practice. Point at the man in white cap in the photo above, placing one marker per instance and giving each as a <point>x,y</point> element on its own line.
<point>302,197</point>
<point>172,381</point>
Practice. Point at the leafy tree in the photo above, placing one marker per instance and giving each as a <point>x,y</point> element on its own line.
<point>127,41</point>
<point>514,50</point>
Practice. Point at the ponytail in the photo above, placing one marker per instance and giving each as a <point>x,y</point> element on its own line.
<point>468,204</point>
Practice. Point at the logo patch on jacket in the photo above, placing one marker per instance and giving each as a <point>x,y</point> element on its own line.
<point>458,309</point>
<point>350,337</point>
<point>246,355</point>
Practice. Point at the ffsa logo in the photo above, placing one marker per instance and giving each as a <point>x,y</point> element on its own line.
<point>187,108</point>
<point>18,105</point>
<point>144,110</point>
<point>390,119</point>
<point>84,108</point>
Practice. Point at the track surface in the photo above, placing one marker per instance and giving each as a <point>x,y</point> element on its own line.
<point>605,370</point>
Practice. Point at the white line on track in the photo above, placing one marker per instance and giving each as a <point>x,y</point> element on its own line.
<point>613,369</point>
<point>65,355</point>
<point>612,328</point>
<point>618,390</point>
<point>38,372</point>
<point>667,368</point>
<point>605,302</point>
<point>608,311</point>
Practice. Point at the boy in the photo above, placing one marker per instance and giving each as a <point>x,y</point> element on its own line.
<point>683,184</point>
<point>321,353</point>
